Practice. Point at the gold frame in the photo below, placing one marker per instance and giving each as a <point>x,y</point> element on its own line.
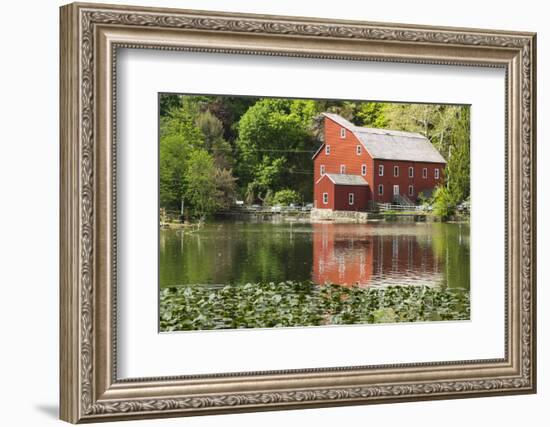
<point>90,36</point>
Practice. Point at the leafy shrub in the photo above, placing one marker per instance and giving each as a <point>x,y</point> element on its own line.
<point>444,204</point>
<point>285,197</point>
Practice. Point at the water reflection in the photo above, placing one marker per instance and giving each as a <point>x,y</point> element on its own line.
<point>361,255</point>
<point>375,254</point>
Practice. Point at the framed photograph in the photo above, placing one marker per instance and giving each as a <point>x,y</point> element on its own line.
<point>267,212</point>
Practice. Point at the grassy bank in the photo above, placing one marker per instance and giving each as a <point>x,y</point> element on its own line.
<point>286,304</point>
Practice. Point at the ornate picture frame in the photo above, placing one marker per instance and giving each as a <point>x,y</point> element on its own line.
<point>90,37</point>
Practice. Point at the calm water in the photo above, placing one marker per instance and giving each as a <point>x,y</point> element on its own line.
<point>365,254</point>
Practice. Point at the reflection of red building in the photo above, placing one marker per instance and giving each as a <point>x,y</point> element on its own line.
<point>355,166</point>
<point>342,258</point>
<point>349,254</point>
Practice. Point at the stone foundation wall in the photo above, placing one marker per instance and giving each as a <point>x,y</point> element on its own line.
<point>338,216</point>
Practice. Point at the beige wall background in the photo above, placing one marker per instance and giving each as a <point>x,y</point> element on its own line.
<point>29,170</point>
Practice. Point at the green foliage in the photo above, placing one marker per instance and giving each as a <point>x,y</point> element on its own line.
<point>195,160</point>
<point>266,305</point>
<point>212,129</point>
<point>385,315</point>
<point>274,145</point>
<point>167,102</point>
<point>458,166</point>
<point>285,197</point>
<point>226,188</point>
<point>178,137</point>
<point>200,184</point>
<point>371,114</point>
<point>457,172</point>
<point>346,109</point>
<point>444,203</point>
<point>266,144</point>
<point>229,109</point>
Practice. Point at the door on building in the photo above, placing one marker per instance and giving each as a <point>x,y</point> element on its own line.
<point>396,190</point>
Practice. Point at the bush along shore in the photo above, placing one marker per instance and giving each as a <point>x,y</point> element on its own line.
<point>286,304</point>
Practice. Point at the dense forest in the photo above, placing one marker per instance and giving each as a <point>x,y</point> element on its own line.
<point>215,150</point>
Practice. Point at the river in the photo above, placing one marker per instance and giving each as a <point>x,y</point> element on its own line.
<point>373,254</point>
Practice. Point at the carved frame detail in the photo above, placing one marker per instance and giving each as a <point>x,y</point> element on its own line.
<point>87,397</point>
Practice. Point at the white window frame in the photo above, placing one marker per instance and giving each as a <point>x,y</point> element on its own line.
<point>363,169</point>
<point>343,133</point>
<point>322,170</point>
<point>436,173</point>
<point>342,169</point>
<point>380,170</point>
<point>358,150</point>
<point>395,171</point>
<point>325,198</point>
<point>351,198</point>
<point>327,149</point>
<point>380,189</point>
<point>411,190</point>
<point>424,173</point>
<point>411,172</point>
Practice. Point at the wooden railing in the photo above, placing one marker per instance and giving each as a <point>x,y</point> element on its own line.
<point>401,199</point>
<point>383,207</point>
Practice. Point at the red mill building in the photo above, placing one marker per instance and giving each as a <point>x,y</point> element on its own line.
<point>356,166</point>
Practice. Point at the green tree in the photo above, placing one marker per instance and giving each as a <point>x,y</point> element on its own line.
<point>275,145</point>
<point>200,184</point>
<point>346,109</point>
<point>178,136</point>
<point>226,187</point>
<point>270,173</point>
<point>371,114</point>
<point>458,161</point>
<point>168,102</point>
<point>229,109</point>
<point>212,129</point>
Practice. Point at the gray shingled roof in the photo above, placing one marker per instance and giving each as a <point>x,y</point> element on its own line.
<point>343,179</point>
<point>392,144</point>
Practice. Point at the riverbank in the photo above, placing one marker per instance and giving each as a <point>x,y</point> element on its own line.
<point>288,304</point>
<point>323,215</point>
<point>328,215</point>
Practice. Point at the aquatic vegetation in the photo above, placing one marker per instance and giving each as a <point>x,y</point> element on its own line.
<point>287,304</point>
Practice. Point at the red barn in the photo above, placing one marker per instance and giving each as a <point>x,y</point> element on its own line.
<point>356,167</point>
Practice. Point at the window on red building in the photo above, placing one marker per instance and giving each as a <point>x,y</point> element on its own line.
<point>380,189</point>
<point>322,170</point>
<point>325,198</point>
<point>436,173</point>
<point>342,168</point>
<point>411,190</point>
<point>425,173</point>
<point>396,171</point>
<point>359,150</point>
<point>351,198</point>
<point>381,170</point>
<point>411,172</point>
<point>342,132</point>
<point>363,170</point>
